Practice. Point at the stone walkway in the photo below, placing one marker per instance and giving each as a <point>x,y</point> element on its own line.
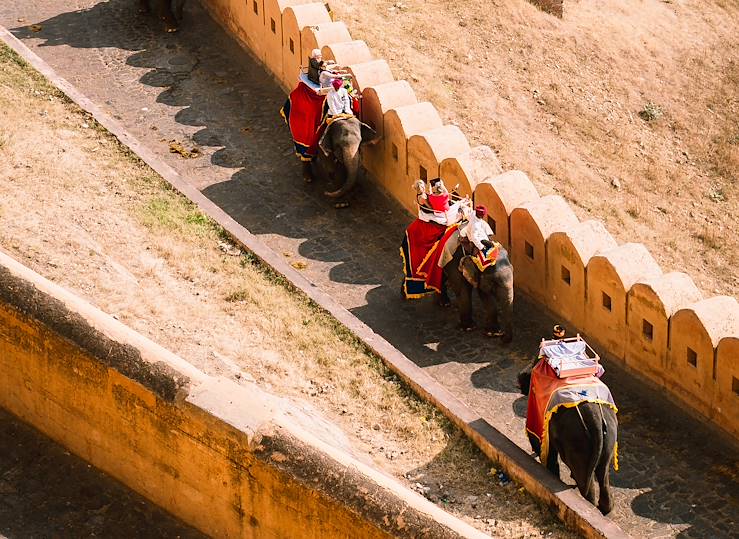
<point>200,88</point>
<point>46,492</point>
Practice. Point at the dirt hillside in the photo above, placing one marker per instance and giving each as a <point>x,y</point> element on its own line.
<point>79,209</point>
<point>627,108</point>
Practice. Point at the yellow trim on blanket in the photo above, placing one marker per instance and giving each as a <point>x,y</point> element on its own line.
<point>343,116</point>
<point>433,249</point>
<point>405,291</point>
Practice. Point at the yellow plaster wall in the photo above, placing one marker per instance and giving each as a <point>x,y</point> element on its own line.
<point>726,390</point>
<point>531,225</point>
<point>650,303</point>
<point>400,124</point>
<point>294,20</point>
<point>500,195</point>
<point>376,101</point>
<point>428,149</point>
<point>570,251</point>
<point>345,53</point>
<point>316,37</point>
<point>225,458</point>
<point>272,37</point>
<point>469,169</point>
<point>371,73</point>
<point>610,274</point>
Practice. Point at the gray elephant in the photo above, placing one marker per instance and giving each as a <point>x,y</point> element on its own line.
<point>494,286</point>
<point>585,437</point>
<point>169,11</point>
<point>340,144</point>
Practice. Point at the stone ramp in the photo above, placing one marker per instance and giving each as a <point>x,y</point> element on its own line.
<point>199,88</point>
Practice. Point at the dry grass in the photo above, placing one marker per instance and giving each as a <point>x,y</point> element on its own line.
<point>561,100</point>
<point>82,211</point>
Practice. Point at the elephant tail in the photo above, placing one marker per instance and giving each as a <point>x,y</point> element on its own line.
<point>595,428</point>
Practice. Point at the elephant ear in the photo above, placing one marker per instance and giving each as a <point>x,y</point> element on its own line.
<point>369,135</point>
<point>326,143</point>
<point>469,271</point>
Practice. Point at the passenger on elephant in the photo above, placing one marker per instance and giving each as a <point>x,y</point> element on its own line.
<point>438,197</point>
<point>338,99</point>
<point>477,230</point>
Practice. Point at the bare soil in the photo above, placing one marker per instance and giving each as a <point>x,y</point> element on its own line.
<point>79,209</point>
<point>627,108</point>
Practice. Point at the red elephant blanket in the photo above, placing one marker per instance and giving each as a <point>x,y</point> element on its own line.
<point>548,393</point>
<point>304,113</point>
<point>419,239</point>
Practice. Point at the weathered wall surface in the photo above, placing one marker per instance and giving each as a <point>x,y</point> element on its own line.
<point>225,458</point>
<point>415,142</point>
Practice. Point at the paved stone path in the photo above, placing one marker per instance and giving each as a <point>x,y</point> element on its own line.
<point>200,88</point>
<point>46,492</point>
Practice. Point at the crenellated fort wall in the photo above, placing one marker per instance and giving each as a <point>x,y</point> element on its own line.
<point>657,324</point>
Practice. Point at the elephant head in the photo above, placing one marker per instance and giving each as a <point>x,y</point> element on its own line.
<point>469,271</point>
<point>342,140</point>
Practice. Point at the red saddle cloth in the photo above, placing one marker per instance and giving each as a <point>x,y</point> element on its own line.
<point>429,268</point>
<point>420,238</point>
<point>304,113</point>
<point>548,393</point>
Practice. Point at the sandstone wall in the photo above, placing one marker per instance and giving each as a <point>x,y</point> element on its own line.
<point>616,295</point>
<point>226,458</point>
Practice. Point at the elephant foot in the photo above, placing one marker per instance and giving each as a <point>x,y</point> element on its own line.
<point>494,333</point>
<point>341,205</point>
<point>467,327</point>
<point>307,178</point>
<point>443,301</point>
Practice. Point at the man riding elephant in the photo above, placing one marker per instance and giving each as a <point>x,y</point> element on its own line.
<point>169,11</point>
<point>436,256</point>
<point>328,123</point>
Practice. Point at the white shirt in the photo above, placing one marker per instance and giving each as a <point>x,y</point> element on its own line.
<point>339,102</point>
<point>477,230</point>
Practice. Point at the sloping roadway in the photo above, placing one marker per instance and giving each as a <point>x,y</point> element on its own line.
<point>199,88</point>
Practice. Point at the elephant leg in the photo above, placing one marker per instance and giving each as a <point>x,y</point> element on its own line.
<point>165,14</point>
<point>443,297</point>
<point>552,462</point>
<point>177,8</point>
<point>605,503</point>
<point>491,313</point>
<point>504,300</point>
<point>464,299</point>
<point>307,172</point>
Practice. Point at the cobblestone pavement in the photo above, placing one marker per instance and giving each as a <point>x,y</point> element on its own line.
<point>46,492</point>
<point>198,87</point>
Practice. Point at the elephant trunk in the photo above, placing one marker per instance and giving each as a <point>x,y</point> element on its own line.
<point>350,160</point>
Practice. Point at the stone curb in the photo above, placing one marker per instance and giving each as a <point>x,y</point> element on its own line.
<point>573,510</point>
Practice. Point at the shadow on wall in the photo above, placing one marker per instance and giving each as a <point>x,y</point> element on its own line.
<point>39,499</point>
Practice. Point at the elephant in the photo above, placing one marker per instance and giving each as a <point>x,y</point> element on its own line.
<point>169,11</point>
<point>585,437</point>
<point>494,287</point>
<point>340,144</point>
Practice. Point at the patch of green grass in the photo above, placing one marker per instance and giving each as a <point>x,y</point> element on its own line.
<point>169,212</point>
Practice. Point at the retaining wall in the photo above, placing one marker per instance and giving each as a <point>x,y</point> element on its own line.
<point>416,142</point>
<point>226,458</point>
